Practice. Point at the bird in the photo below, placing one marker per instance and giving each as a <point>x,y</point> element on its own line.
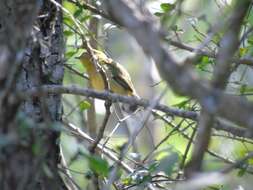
<point>119,80</point>
<point>97,80</point>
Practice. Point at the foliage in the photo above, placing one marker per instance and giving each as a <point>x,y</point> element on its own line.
<point>193,32</point>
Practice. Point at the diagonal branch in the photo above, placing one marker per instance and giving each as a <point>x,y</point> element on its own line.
<point>102,128</point>
<point>78,132</point>
<point>229,45</point>
<point>94,10</point>
<point>222,71</point>
<point>201,52</point>
<point>181,78</point>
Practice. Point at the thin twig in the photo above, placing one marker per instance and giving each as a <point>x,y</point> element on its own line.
<point>70,181</point>
<point>182,78</point>
<point>212,153</point>
<point>238,164</point>
<point>245,61</point>
<point>77,131</point>
<point>162,141</point>
<point>187,149</point>
<point>228,46</point>
<point>93,9</point>
<point>76,72</point>
<point>102,128</point>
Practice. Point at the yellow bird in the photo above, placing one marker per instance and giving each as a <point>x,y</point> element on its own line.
<point>119,81</point>
<point>96,79</point>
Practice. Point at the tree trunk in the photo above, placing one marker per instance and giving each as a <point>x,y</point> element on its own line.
<point>31,54</point>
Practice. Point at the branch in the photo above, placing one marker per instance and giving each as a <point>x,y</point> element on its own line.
<point>105,95</point>
<point>238,164</point>
<point>57,89</point>
<point>78,132</point>
<point>102,128</point>
<point>92,9</point>
<point>228,46</point>
<point>210,152</point>
<point>243,61</point>
<point>181,78</point>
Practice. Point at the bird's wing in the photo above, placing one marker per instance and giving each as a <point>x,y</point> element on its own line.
<point>121,76</point>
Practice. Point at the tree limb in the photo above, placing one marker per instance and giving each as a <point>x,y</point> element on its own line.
<point>75,90</point>
<point>181,78</point>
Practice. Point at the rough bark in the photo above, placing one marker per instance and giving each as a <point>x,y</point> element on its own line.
<point>31,55</point>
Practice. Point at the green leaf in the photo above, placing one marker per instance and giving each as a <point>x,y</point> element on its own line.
<point>84,105</point>
<point>205,59</point>
<point>203,63</point>
<point>78,12</point>
<point>174,28</point>
<point>250,40</point>
<point>159,14</point>
<point>167,7</point>
<point>243,51</point>
<point>98,165</point>
<point>68,21</point>
<point>182,104</point>
<point>127,181</point>
<point>84,18</point>
<point>245,89</point>
<point>250,161</point>
<point>242,171</point>
<point>153,166</point>
<point>70,54</point>
<point>68,33</point>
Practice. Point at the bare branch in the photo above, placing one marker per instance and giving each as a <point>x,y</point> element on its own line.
<point>210,152</point>
<point>57,89</point>
<point>243,61</point>
<point>238,164</point>
<point>181,78</point>
<point>105,95</point>
<point>102,128</point>
<point>94,10</point>
<point>78,132</point>
<point>229,45</point>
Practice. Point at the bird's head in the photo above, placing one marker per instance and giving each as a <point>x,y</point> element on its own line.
<point>86,58</point>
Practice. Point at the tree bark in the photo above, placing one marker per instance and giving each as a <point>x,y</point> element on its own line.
<point>32,50</point>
